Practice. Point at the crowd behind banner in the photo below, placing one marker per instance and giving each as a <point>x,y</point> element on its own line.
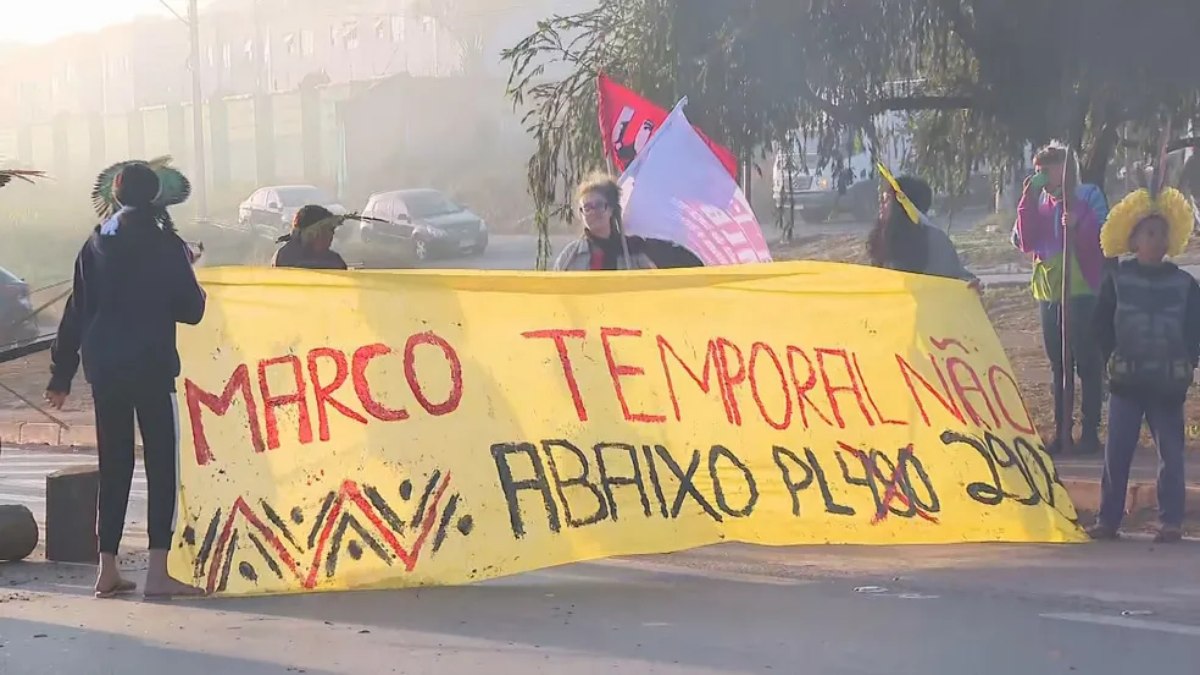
<point>1135,323</point>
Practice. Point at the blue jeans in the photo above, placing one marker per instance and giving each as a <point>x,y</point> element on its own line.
<point>1088,361</point>
<point>1125,417</point>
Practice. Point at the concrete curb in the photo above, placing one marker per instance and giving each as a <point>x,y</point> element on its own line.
<point>47,433</point>
<point>1141,496</point>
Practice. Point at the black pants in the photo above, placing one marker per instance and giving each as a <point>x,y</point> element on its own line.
<point>157,419</point>
<point>1088,361</point>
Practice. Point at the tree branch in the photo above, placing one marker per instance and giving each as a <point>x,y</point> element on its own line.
<point>1148,148</point>
<point>960,25</point>
<point>913,103</point>
<point>1189,142</point>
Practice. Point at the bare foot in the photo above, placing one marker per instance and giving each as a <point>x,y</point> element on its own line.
<point>110,586</point>
<point>166,587</point>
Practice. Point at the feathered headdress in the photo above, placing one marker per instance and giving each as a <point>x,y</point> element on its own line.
<point>1155,199</point>
<point>6,175</point>
<point>174,188</point>
<point>329,224</point>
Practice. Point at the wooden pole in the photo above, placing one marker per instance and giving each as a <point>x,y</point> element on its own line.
<point>608,162</point>
<point>1067,400</point>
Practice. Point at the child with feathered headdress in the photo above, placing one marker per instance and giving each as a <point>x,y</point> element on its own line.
<point>1147,323</point>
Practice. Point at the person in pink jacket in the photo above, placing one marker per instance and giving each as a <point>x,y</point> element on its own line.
<point>1039,232</point>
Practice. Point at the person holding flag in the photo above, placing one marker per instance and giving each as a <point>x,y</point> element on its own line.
<point>603,244</point>
<point>903,239</point>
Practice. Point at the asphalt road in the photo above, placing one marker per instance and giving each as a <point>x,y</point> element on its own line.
<point>985,610</point>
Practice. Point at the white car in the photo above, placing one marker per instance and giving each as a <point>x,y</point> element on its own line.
<point>270,210</point>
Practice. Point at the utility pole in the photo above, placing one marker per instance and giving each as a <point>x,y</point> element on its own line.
<point>201,166</point>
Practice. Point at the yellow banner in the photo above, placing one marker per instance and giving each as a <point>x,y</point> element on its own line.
<point>378,430</point>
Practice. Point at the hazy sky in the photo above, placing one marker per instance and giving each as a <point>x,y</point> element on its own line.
<point>34,21</point>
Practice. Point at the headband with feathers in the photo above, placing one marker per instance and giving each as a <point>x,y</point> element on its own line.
<point>914,214</point>
<point>6,175</point>
<point>174,188</point>
<point>1154,199</point>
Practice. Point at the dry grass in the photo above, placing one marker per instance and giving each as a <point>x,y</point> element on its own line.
<point>1014,314</point>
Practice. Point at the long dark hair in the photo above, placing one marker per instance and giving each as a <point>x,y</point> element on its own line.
<point>901,243</point>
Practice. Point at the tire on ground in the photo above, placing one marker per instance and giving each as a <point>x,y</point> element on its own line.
<point>18,533</point>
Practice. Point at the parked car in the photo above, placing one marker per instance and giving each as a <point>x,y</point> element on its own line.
<point>815,189</point>
<point>17,323</point>
<point>422,223</point>
<point>270,210</point>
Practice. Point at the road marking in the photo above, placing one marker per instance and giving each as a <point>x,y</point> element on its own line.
<point>1124,598</point>
<point>1125,622</point>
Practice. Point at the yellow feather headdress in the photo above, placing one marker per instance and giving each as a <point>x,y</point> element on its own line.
<point>1170,205</point>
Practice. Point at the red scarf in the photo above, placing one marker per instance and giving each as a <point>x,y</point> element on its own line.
<point>597,261</point>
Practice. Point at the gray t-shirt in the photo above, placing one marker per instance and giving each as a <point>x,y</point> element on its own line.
<point>942,260</point>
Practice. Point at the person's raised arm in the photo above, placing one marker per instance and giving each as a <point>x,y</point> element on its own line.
<point>1033,227</point>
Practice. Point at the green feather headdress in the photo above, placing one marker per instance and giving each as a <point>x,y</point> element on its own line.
<point>174,187</point>
<point>26,175</point>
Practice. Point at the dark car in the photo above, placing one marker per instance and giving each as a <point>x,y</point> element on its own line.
<point>17,322</point>
<point>270,210</point>
<point>424,224</point>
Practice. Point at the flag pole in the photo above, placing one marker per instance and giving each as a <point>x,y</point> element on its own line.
<point>607,151</point>
<point>1067,400</point>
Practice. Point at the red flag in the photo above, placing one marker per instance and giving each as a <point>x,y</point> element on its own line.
<point>627,121</point>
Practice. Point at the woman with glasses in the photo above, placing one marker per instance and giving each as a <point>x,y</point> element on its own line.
<point>603,245</point>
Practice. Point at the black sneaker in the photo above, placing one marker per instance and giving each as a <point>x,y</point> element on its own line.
<point>1168,534</point>
<point>1102,532</point>
<point>1054,449</point>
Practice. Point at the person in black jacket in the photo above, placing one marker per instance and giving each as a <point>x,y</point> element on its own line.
<point>133,283</point>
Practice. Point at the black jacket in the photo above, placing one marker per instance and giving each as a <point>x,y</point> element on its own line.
<point>1104,319</point>
<point>133,282</point>
<point>293,254</point>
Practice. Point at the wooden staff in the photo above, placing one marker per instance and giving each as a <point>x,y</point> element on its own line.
<point>609,165</point>
<point>1067,400</point>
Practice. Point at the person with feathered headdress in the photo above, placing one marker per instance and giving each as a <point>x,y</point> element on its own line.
<point>309,244</point>
<point>1147,324</point>
<point>133,283</point>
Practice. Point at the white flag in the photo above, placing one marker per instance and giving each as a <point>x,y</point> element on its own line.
<point>678,190</point>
